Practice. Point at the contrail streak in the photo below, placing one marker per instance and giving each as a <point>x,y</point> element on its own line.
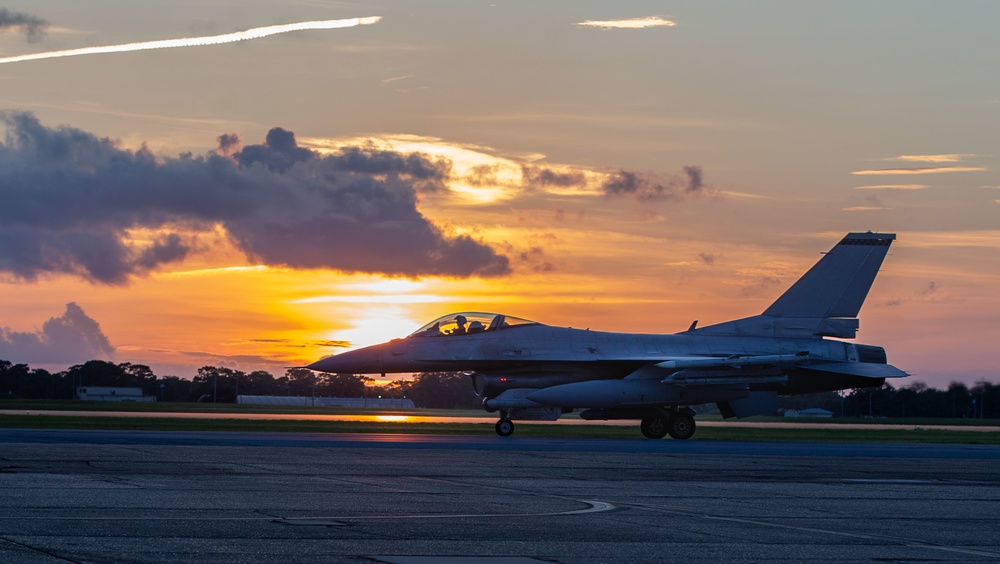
<point>255,33</point>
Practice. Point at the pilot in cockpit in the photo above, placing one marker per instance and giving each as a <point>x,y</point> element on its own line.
<point>460,330</point>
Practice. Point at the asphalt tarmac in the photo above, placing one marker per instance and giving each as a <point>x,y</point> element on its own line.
<point>120,496</point>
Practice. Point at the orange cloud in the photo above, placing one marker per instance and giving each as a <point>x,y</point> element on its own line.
<point>893,187</point>
<point>946,158</point>
<point>920,170</point>
<point>930,239</point>
<point>634,23</point>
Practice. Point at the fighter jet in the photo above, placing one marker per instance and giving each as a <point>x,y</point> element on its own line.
<point>530,371</point>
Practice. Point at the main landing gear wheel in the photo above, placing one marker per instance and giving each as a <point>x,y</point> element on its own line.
<point>654,427</point>
<point>680,426</point>
<point>505,427</point>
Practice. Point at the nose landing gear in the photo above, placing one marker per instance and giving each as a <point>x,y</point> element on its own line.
<point>505,427</point>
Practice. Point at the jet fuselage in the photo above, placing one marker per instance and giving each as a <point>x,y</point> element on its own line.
<point>534,353</point>
<point>527,370</point>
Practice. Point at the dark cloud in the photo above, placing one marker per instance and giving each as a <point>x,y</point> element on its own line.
<point>332,344</point>
<point>622,182</point>
<point>163,250</point>
<point>229,143</point>
<point>70,198</point>
<point>645,187</point>
<point>71,338</point>
<point>279,152</point>
<point>762,286</point>
<point>707,258</point>
<point>369,160</point>
<point>929,289</point>
<point>535,257</point>
<point>693,173</point>
<point>925,293</point>
<point>541,176</point>
<point>33,27</point>
<point>306,344</point>
<point>482,175</point>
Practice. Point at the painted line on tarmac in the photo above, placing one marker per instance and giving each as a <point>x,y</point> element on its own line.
<point>593,507</point>
<point>886,481</point>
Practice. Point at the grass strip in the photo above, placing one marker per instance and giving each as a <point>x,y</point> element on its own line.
<point>191,407</point>
<point>523,429</point>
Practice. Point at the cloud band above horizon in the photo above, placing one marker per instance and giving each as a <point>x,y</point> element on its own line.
<point>73,201</point>
<point>253,33</point>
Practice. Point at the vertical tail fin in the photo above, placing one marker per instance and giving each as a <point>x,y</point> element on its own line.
<point>827,299</point>
<point>838,284</point>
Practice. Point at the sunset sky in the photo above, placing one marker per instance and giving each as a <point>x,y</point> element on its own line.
<point>262,200</point>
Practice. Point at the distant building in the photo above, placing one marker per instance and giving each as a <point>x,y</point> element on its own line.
<point>811,412</point>
<point>327,402</point>
<point>105,393</point>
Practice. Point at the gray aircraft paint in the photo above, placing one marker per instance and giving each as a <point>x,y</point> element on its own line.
<point>528,370</point>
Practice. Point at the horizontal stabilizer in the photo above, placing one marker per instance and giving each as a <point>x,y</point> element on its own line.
<point>865,369</point>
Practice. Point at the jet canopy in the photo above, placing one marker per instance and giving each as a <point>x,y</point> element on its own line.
<point>469,323</point>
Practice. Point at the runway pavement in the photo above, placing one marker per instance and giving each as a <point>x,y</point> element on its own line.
<point>119,496</point>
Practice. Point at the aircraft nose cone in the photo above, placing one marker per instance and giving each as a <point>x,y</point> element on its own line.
<point>361,361</point>
<point>324,365</point>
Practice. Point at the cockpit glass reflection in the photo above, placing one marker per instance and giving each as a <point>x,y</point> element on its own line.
<point>469,323</point>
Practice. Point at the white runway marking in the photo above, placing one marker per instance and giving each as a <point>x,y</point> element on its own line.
<point>595,507</point>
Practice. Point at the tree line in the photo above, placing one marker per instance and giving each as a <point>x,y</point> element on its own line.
<point>446,390</point>
<point>981,401</point>
<point>215,384</point>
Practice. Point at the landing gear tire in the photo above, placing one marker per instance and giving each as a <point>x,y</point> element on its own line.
<point>505,427</point>
<point>680,426</point>
<point>654,427</point>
